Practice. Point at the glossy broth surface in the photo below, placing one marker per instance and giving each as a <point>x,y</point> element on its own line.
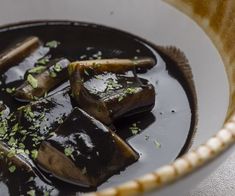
<point>165,132</point>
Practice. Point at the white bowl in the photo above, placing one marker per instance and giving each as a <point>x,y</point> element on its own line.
<point>162,24</point>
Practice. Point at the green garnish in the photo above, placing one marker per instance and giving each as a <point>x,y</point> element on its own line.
<point>26,151</point>
<point>31,193</point>
<point>3,127</point>
<point>34,154</point>
<point>29,113</point>
<point>12,141</point>
<point>44,60</point>
<point>120,98</point>
<point>20,151</point>
<point>21,145</point>
<point>113,84</point>
<point>53,74</point>
<point>52,44</point>
<point>134,129</point>
<point>37,70</point>
<point>57,67</point>
<point>52,134</point>
<point>68,151</point>
<point>46,193</point>
<point>130,91</point>
<point>23,132</point>
<point>15,127</point>
<point>32,81</point>
<point>11,153</point>
<point>98,77</point>
<point>12,168</point>
<point>157,144</point>
<point>10,90</point>
<point>127,91</point>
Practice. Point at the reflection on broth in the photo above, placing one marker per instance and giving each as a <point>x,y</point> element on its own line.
<point>122,108</point>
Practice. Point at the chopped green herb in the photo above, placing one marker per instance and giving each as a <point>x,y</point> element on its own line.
<point>23,132</point>
<point>134,129</point>
<point>34,154</point>
<point>68,151</point>
<point>11,153</point>
<point>44,60</point>
<point>3,127</point>
<point>98,77</point>
<point>42,116</point>
<point>21,145</point>
<point>28,112</point>
<point>10,90</point>
<point>120,98</point>
<point>52,134</point>
<point>31,193</point>
<point>32,81</point>
<point>26,151</point>
<point>12,168</point>
<point>15,127</point>
<point>12,141</point>
<point>46,193</point>
<point>57,67</point>
<point>52,44</point>
<point>131,90</point>
<point>113,84</point>
<point>128,91</point>
<point>37,70</point>
<point>157,144</point>
<point>53,74</point>
<point>20,151</point>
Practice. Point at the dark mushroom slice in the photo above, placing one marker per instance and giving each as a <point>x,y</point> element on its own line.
<point>109,94</point>
<point>19,171</point>
<point>37,85</point>
<point>32,123</point>
<point>21,134</point>
<point>18,52</point>
<point>84,152</point>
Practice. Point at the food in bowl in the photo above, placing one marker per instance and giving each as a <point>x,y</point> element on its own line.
<point>81,103</point>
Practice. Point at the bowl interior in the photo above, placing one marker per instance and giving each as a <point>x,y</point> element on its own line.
<point>162,25</point>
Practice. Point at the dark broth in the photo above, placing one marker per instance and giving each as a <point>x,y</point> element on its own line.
<point>165,133</point>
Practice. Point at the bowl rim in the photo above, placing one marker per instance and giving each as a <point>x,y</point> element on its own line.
<point>204,153</point>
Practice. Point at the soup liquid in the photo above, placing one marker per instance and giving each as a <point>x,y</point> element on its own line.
<point>166,131</point>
